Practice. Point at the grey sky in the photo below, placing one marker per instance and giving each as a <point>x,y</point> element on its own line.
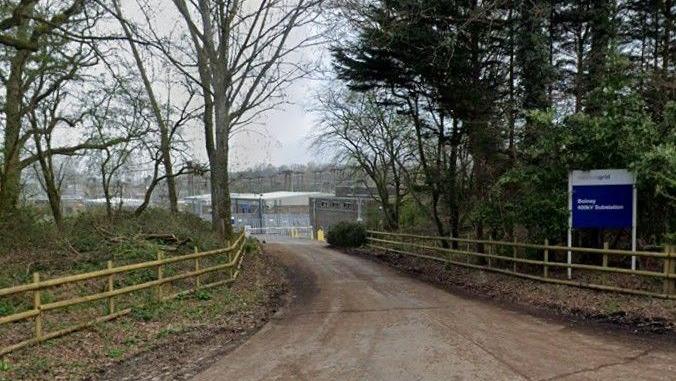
<point>282,136</point>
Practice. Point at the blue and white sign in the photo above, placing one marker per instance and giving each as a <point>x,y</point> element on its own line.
<point>602,199</point>
<point>602,206</point>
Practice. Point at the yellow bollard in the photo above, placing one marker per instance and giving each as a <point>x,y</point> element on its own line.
<point>320,235</point>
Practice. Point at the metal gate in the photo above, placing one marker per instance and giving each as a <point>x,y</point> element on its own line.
<point>280,233</point>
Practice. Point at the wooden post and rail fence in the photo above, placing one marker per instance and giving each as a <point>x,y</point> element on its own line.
<point>231,267</point>
<point>427,247</point>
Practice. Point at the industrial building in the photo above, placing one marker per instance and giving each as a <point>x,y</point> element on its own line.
<point>327,211</point>
<point>261,210</point>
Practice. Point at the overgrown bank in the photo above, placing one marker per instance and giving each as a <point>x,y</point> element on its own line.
<point>641,314</point>
<point>156,337</point>
<point>29,243</point>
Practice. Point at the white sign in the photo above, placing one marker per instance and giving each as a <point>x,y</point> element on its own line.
<point>602,177</point>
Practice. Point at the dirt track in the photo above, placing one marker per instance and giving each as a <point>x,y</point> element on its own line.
<point>353,319</point>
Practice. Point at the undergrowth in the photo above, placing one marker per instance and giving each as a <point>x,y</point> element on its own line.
<point>88,240</point>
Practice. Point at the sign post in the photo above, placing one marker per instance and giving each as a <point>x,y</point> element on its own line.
<point>602,198</point>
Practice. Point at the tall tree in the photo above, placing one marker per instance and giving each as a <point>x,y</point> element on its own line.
<point>533,61</point>
<point>38,59</point>
<point>357,129</point>
<point>243,53</point>
<point>163,127</point>
<point>447,56</point>
<point>601,18</point>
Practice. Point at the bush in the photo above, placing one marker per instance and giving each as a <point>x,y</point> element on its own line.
<point>347,234</point>
<point>251,245</point>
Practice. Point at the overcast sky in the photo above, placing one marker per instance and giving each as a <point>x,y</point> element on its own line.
<point>282,136</point>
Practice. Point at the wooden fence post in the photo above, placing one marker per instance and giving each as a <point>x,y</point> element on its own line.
<point>669,269</point>
<point>231,269</point>
<point>37,306</point>
<point>449,256</point>
<point>490,250</point>
<point>111,287</point>
<point>231,256</point>
<point>197,268</point>
<point>160,274</point>
<point>605,255</point>
<point>545,268</point>
<point>467,256</point>
<point>514,248</point>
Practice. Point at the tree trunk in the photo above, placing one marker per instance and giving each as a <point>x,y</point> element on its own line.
<point>10,184</point>
<point>601,32</point>
<point>667,46</point>
<point>169,171</point>
<point>55,205</point>
<point>50,183</point>
<point>533,57</point>
<point>220,187</point>
<point>452,186</point>
<point>149,192</point>
<point>105,184</point>
<point>220,193</point>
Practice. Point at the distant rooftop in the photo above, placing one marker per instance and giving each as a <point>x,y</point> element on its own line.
<point>280,195</point>
<point>276,195</point>
<point>115,201</point>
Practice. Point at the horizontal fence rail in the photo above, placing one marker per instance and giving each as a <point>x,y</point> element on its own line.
<point>235,255</point>
<point>504,257</point>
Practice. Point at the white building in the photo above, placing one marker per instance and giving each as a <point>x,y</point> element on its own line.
<point>271,209</point>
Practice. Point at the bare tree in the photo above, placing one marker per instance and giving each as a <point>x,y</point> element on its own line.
<point>121,115</point>
<point>38,60</point>
<point>156,152</point>
<point>242,55</point>
<point>162,123</point>
<point>43,122</point>
<point>359,130</point>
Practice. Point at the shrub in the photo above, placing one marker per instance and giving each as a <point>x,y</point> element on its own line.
<point>251,245</point>
<point>347,234</point>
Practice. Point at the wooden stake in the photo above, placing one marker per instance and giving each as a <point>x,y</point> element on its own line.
<point>160,274</point>
<point>37,306</point>
<point>449,255</point>
<point>546,259</point>
<point>490,250</point>
<point>605,256</point>
<point>231,268</point>
<point>197,268</point>
<point>514,256</point>
<point>669,269</point>
<point>468,248</point>
<point>111,287</point>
